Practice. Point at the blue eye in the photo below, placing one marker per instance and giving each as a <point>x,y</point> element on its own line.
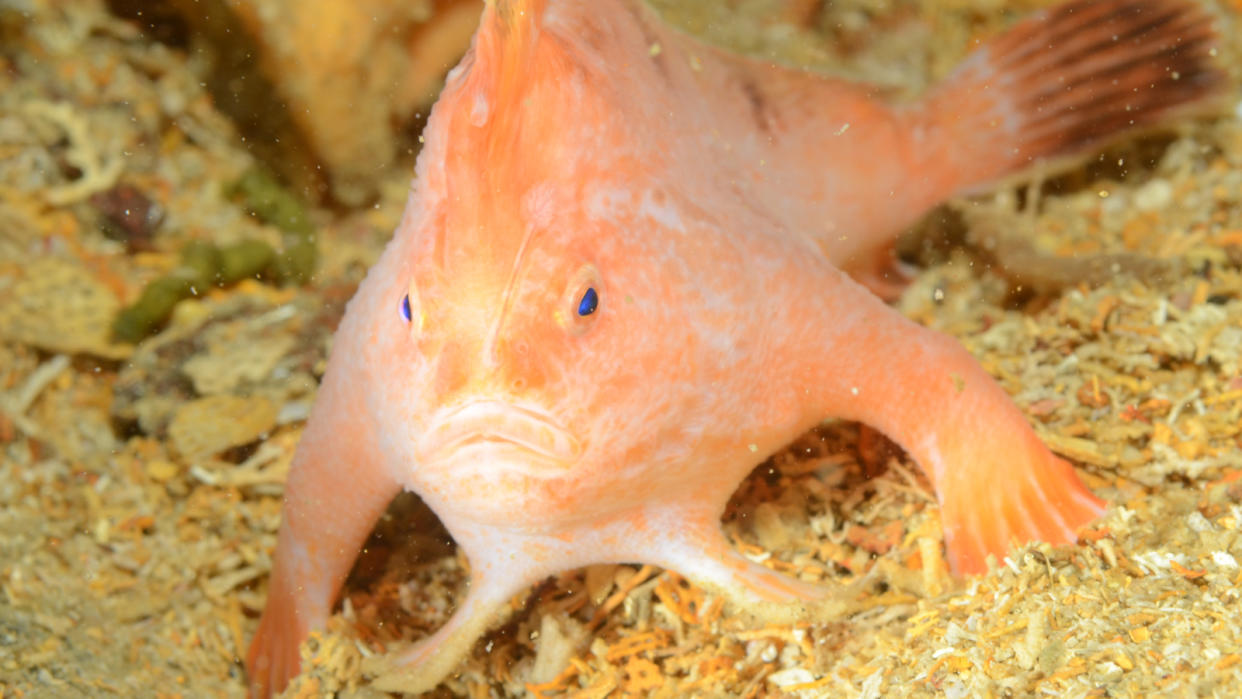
<point>405,308</point>
<point>589,302</point>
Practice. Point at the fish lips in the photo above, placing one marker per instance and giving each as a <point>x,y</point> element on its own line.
<point>522,437</point>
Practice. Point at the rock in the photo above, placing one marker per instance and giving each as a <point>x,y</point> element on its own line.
<point>59,306</point>
<point>208,426</point>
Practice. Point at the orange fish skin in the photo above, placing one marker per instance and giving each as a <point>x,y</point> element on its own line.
<point>711,203</point>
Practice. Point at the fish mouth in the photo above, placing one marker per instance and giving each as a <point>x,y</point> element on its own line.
<point>491,427</point>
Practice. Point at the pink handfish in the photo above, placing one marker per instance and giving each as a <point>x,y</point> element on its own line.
<point>629,270</point>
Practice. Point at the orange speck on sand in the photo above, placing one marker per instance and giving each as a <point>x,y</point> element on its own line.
<point>1094,534</point>
<point>1187,572</point>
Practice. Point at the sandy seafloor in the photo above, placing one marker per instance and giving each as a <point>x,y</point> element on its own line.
<point>140,485</point>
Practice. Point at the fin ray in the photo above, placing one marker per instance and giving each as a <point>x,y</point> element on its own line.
<point>1067,81</point>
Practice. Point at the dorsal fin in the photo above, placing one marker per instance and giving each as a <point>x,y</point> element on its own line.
<point>517,16</point>
<point>508,35</point>
<point>501,108</point>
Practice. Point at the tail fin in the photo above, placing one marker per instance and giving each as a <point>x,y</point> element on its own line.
<point>1065,81</point>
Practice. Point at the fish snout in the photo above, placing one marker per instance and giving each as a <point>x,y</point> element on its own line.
<point>482,431</point>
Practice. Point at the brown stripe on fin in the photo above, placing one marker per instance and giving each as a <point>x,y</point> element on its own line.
<point>1065,81</point>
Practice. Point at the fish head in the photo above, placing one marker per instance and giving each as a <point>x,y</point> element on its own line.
<point>535,323</point>
<point>542,368</point>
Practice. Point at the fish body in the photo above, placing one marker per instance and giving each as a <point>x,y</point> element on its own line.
<point>632,266</point>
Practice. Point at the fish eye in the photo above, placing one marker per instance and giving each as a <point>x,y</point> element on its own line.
<point>410,309</point>
<point>589,302</point>
<point>579,306</point>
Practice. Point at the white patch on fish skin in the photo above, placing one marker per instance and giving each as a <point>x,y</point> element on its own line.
<point>660,212</point>
<point>604,203</point>
<point>539,206</point>
<point>458,71</point>
<point>480,111</point>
